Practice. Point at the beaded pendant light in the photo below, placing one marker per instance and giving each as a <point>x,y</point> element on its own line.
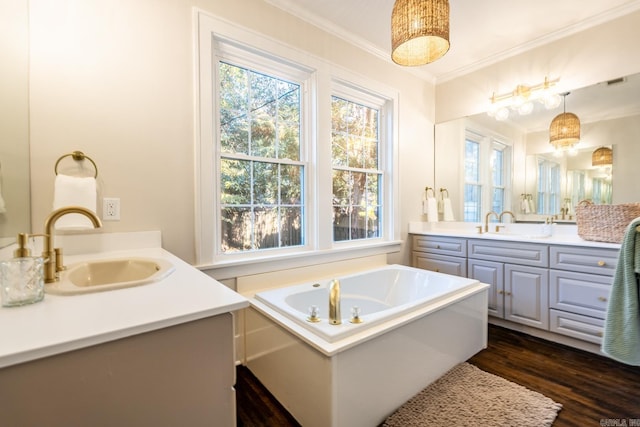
<point>419,31</point>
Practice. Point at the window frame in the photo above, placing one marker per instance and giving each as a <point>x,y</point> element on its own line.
<point>323,78</point>
<point>488,142</point>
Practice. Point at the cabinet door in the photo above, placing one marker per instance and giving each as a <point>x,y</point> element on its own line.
<point>491,273</point>
<point>440,263</point>
<point>526,295</point>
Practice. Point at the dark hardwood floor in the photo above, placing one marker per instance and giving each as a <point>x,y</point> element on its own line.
<point>593,390</point>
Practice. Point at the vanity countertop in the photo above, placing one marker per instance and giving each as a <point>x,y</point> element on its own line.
<point>60,323</point>
<point>562,234</point>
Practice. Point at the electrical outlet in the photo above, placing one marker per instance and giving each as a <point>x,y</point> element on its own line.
<point>111,209</point>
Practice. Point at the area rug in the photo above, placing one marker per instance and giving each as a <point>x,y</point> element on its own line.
<point>469,396</point>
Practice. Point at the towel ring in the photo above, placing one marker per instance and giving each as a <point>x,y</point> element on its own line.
<point>432,190</point>
<point>78,156</point>
<point>442,191</point>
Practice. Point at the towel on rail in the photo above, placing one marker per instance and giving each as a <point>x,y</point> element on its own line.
<point>621,339</point>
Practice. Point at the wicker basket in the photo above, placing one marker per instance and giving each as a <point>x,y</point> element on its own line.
<point>605,223</point>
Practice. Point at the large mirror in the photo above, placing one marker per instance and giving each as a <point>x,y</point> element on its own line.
<point>610,117</point>
<point>14,120</point>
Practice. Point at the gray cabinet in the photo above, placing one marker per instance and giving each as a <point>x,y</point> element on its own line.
<point>580,284</point>
<point>559,288</point>
<point>518,277</point>
<point>442,254</point>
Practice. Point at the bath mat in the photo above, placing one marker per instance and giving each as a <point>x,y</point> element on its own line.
<point>467,395</point>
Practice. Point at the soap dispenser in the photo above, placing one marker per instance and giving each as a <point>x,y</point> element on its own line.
<point>22,277</point>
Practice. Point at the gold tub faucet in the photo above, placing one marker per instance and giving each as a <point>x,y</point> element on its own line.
<point>53,257</point>
<point>334,302</point>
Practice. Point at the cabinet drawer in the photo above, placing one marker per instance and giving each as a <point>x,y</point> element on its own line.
<point>440,245</point>
<point>577,326</point>
<point>585,260</point>
<point>532,254</point>
<point>441,263</point>
<point>580,293</point>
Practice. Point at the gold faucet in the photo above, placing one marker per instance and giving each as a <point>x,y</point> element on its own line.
<point>513,217</point>
<point>334,302</point>
<point>53,257</point>
<point>486,220</point>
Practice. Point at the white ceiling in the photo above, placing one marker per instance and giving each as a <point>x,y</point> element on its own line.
<point>481,31</point>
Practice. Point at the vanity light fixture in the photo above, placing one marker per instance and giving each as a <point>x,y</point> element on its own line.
<point>564,131</point>
<point>602,157</point>
<point>522,99</point>
<point>419,31</point>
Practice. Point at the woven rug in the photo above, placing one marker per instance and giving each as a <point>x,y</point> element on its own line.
<point>468,396</point>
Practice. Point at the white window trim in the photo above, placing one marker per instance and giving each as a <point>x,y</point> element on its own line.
<point>488,140</point>
<point>208,29</point>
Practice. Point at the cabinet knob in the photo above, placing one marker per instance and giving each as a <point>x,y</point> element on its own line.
<point>437,246</point>
<point>603,299</point>
<point>500,292</point>
<point>437,270</point>
<point>601,263</point>
<point>507,293</point>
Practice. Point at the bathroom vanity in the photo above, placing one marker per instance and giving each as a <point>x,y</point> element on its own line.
<point>555,287</point>
<point>159,354</point>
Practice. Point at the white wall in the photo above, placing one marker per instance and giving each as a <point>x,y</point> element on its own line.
<point>115,79</point>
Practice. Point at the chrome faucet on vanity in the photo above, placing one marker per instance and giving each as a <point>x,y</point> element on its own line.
<point>53,257</point>
<point>334,302</point>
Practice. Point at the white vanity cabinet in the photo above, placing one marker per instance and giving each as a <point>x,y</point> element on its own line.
<point>519,278</point>
<point>580,283</point>
<point>442,254</point>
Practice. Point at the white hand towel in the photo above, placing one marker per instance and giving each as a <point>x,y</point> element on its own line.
<point>525,206</point>
<point>74,191</point>
<point>432,209</point>
<point>532,206</point>
<point>448,210</point>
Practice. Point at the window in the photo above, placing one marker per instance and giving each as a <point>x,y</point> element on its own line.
<point>549,187</point>
<point>261,175</point>
<point>294,156</point>
<point>487,175</point>
<point>357,179</point>
<point>472,184</point>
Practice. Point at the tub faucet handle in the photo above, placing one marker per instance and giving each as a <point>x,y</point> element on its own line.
<point>314,311</point>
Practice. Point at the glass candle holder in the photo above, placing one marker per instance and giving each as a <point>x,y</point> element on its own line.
<point>21,281</point>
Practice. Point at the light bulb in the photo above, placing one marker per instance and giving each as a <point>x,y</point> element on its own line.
<point>551,100</point>
<point>525,108</point>
<point>502,114</point>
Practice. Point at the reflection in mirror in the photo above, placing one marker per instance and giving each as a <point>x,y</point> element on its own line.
<point>610,116</point>
<point>14,121</point>
<point>558,183</point>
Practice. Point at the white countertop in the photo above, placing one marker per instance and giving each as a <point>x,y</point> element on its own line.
<point>63,323</point>
<point>562,234</point>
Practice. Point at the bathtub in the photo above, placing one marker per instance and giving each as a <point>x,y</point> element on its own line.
<point>379,294</point>
<point>416,325</point>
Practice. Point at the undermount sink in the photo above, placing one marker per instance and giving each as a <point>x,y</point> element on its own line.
<point>106,275</point>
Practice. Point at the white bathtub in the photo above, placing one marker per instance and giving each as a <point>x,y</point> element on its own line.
<point>380,294</point>
<point>416,326</point>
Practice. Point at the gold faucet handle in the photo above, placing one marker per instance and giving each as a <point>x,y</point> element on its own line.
<point>59,262</point>
<point>498,227</point>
